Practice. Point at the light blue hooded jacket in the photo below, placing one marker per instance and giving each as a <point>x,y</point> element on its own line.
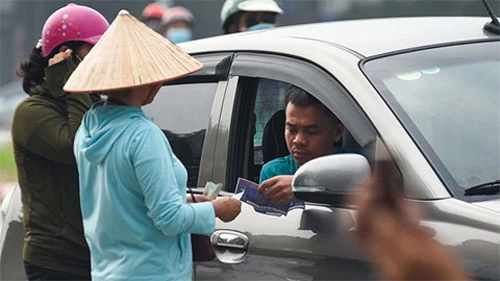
<point>133,198</point>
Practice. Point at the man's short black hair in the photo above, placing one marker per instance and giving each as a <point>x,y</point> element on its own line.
<point>299,97</point>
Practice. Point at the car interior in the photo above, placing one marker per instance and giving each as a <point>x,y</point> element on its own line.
<point>188,148</point>
<point>257,131</point>
<point>270,143</point>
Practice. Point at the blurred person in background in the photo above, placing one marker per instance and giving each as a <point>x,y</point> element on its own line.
<point>152,16</point>
<point>388,229</point>
<point>177,24</point>
<point>43,131</point>
<point>248,15</point>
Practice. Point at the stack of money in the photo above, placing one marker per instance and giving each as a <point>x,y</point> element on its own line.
<point>212,190</point>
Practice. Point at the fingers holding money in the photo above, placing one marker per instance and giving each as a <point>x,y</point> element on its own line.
<point>212,190</point>
<point>60,56</point>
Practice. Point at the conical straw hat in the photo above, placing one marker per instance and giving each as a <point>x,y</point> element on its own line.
<point>130,54</point>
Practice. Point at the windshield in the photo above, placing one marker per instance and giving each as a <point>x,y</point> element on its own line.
<point>448,99</point>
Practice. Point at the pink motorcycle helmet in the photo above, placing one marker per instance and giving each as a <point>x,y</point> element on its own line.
<point>72,23</point>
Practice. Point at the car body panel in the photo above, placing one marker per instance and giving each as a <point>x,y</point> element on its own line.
<point>296,247</point>
<point>385,35</point>
<point>209,164</point>
<point>11,236</point>
<point>493,205</point>
<point>472,232</point>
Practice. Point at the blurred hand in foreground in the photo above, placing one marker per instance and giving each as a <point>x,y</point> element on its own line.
<point>389,231</point>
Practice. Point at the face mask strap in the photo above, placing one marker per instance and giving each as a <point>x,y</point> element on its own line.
<point>78,58</point>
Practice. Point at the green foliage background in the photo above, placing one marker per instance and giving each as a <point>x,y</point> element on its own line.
<point>7,165</point>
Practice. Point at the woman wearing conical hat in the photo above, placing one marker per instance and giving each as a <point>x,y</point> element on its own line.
<point>135,212</point>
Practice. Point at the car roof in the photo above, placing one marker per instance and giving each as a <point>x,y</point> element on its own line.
<point>364,38</point>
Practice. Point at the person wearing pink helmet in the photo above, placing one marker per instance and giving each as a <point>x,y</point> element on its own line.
<point>178,23</point>
<point>43,130</point>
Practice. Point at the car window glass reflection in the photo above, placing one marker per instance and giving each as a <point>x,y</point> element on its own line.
<point>182,113</point>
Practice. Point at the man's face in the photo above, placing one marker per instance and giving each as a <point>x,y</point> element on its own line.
<point>310,132</point>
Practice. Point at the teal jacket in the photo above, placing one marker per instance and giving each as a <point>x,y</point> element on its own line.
<point>133,198</point>
<point>277,167</point>
<point>287,166</point>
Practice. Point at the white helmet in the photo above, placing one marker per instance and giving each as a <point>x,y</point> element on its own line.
<point>233,6</point>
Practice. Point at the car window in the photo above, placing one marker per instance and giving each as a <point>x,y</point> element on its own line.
<point>182,113</point>
<point>448,99</point>
<point>260,93</point>
<point>269,100</point>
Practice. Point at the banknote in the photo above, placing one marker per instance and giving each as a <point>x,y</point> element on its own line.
<point>212,190</point>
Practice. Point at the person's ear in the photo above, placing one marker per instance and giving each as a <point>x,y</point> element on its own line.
<point>338,132</point>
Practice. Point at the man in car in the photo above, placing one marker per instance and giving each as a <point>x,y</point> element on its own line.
<point>248,15</point>
<point>311,131</point>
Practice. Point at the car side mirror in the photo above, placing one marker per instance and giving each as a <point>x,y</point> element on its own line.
<point>328,179</point>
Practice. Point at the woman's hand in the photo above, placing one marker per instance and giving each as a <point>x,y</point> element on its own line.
<point>60,56</point>
<point>227,209</point>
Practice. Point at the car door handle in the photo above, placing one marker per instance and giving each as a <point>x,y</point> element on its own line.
<point>229,239</point>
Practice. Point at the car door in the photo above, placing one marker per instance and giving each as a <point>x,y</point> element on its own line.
<point>188,110</point>
<point>11,236</point>
<point>307,244</point>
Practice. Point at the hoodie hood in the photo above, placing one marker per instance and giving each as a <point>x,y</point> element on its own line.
<point>102,126</point>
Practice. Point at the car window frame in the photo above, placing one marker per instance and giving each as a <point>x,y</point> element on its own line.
<point>272,66</point>
<point>292,70</point>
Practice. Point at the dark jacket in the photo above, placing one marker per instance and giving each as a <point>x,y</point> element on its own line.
<point>43,131</point>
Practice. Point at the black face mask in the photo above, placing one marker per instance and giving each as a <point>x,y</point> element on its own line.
<point>254,19</point>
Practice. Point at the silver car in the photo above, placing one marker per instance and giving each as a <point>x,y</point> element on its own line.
<point>427,90</point>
